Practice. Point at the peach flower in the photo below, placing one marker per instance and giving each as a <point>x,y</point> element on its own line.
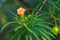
<point>21,11</point>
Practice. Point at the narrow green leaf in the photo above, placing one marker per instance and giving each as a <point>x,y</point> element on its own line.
<point>52,3</point>
<point>18,20</point>
<point>57,1</point>
<point>44,26</point>
<point>20,35</point>
<point>43,34</point>
<point>30,37</point>
<point>16,28</point>
<point>38,6</point>
<point>38,19</point>
<point>3,27</point>
<point>40,15</point>
<point>37,22</point>
<point>48,33</point>
<point>27,37</point>
<point>15,35</point>
<point>33,12</point>
<point>31,32</point>
<point>13,14</point>
<point>43,37</point>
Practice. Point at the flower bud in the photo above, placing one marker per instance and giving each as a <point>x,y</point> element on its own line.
<point>20,12</point>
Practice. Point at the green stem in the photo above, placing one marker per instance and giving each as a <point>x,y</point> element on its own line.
<point>54,20</point>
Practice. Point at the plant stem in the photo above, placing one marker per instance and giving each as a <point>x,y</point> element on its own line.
<point>54,20</point>
<point>41,7</point>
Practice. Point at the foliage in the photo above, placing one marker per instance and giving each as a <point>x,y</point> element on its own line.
<point>37,25</point>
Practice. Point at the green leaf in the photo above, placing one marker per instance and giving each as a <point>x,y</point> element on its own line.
<point>36,19</point>
<point>16,28</point>
<point>13,14</point>
<point>52,3</point>
<point>31,32</point>
<point>26,37</point>
<point>38,6</point>
<point>22,32</point>
<point>44,26</point>
<point>18,20</point>
<point>48,33</point>
<point>18,37</point>
<point>37,22</point>
<point>33,12</point>
<point>43,34</point>
<point>15,35</point>
<point>3,27</point>
<point>40,15</point>
<point>57,1</point>
<point>30,37</point>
